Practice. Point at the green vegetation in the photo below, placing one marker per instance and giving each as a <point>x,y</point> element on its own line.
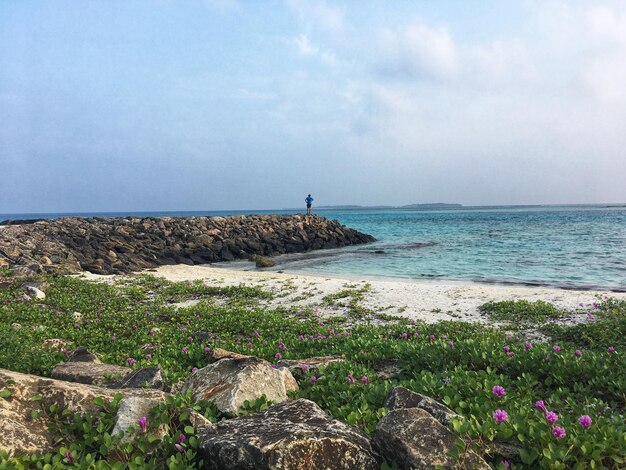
<point>521,312</point>
<point>454,362</point>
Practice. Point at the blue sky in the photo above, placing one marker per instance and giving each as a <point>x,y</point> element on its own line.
<point>225,104</point>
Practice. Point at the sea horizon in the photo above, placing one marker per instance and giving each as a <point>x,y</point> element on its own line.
<point>568,246</point>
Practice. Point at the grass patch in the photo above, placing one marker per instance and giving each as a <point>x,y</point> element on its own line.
<point>457,363</point>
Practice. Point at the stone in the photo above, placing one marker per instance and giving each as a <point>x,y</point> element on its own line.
<point>299,367</point>
<point>401,397</point>
<point>147,377</point>
<point>130,411</point>
<point>35,292</point>
<point>19,433</point>
<point>81,354</point>
<point>89,372</point>
<point>123,245</point>
<point>412,438</point>
<point>263,261</point>
<point>54,343</point>
<point>218,354</point>
<point>295,435</point>
<point>230,382</point>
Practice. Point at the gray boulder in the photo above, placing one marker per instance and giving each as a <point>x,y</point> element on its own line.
<point>230,382</point>
<point>412,438</point>
<point>262,261</point>
<point>148,377</point>
<point>291,435</point>
<point>128,414</point>
<point>35,292</point>
<point>89,372</point>
<point>401,397</point>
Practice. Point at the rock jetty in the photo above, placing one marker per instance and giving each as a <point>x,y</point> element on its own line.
<point>123,245</point>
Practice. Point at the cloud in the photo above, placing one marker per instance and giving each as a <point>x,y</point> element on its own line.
<point>307,49</point>
<point>318,14</point>
<point>417,50</point>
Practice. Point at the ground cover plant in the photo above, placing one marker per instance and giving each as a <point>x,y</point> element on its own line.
<point>561,403</point>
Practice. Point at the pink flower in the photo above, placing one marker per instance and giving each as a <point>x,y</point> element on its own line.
<point>304,367</point>
<point>558,432</point>
<point>450,344</point>
<point>528,345</point>
<point>578,353</point>
<point>350,378</point>
<point>148,357</point>
<point>432,337</point>
<point>181,438</point>
<point>131,361</point>
<point>541,406</point>
<point>444,337</point>
<point>152,332</point>
<point>179,448</point>
<point>590,316</point>
<point>500,416</point>
<point>405,335</point>
<point>113,338</point>
<point>313,379</point>
<point>551,417</point>
<point>278,356</point>
<point>506,349</point>
<point>556,348</point>
<point>611,349</point>
<point>184,349</point>
<point>194,370</point>
<point>364,379</point>
<point>416,334</point>
<point>506,464</point>
<point>585,421</point>
<point>510,354</point>
<point>70,458</point>
<point>207,349</point>
<point>498,391</point>
<point>142,422</point>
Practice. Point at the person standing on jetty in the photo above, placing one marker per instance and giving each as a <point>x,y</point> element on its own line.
<point>309,201</point>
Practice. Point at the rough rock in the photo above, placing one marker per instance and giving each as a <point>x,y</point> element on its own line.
<point>35,292</point>
<point>218,354</point>
<point>123,245</point>
<point>412,438</point>
<point>147,377</point>
<point>89,372</point>
<point>81,354</point>
<point>299,367</point>
<point>129,412</point>
<point>401,397</point>
<point>19,433</point>
<point>296,435</point>
<point>262,261</point>
<point>54,343</point>
<point>230,382</point>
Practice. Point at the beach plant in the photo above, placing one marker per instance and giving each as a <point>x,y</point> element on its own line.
<point>579,375</point>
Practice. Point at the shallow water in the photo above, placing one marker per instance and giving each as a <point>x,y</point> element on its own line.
<point>563,246</point>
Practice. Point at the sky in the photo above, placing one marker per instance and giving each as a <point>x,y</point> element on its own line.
<point>130,105</point>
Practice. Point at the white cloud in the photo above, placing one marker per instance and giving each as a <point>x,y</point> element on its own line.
<point>307,49</point>
<point>319,14</point>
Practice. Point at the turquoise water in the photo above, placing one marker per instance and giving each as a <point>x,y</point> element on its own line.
<point>563,246</point>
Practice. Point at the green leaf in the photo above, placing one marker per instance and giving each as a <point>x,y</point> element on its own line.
<point>189,430</point>
<point>5,393</point>
<point>529,456</point>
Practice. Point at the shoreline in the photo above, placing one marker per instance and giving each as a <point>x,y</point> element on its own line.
<point>429,301</point>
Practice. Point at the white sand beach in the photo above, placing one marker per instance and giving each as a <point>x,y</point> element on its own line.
<point>420,300</point>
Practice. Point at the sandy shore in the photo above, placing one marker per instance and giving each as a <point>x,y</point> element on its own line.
<point>428,301</point>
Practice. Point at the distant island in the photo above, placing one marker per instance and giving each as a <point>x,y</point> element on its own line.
<point>428,206</point>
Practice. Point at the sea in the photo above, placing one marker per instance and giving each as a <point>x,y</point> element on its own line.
<point>570,247</point>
